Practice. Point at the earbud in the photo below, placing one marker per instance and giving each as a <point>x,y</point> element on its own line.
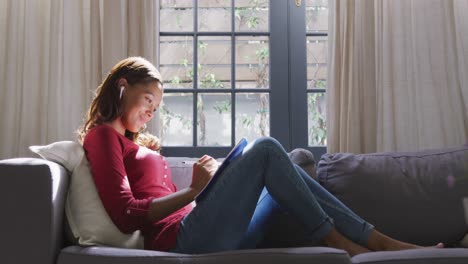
<point>142,128</point>
<point>122,88</point>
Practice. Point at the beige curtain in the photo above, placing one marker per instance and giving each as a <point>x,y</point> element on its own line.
<point>397,75</point>
<point>54,54</point>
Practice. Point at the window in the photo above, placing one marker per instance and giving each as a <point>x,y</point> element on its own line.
<point>317,50</point>
<point>226,66</point>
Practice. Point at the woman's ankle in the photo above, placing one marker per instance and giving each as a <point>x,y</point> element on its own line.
<point>336,240</point>
<point>376,241</point>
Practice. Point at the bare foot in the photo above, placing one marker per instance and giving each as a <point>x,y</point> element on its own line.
<point>398,245</point>
<point>439,245</point>
<point>337,240</point>
<point>380,242</point>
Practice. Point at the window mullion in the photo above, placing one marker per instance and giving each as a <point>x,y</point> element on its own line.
<point>233,74</point>
<point>279,73</point>
<point>195,73</point>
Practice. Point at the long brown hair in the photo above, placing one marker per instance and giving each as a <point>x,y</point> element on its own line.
<point>106,105</point>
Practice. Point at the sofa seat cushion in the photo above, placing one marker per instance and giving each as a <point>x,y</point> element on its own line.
<point>99,255</point>
<point>416,197</point>
<point>415,256</point>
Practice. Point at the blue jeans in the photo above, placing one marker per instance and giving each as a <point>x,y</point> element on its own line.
<point>255,188</point>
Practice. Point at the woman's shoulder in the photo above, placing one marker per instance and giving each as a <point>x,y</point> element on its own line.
<point>102,133</point>
<point>101,130</point>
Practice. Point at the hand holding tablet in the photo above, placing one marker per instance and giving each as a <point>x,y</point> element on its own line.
<point>235,152</point>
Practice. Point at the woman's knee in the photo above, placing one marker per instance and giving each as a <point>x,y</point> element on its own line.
<point>268,142</point>
<point>263,148</point>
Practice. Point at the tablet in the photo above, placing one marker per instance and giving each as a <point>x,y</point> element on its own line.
<point>235,152</point>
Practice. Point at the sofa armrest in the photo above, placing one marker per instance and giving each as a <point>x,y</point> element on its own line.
<point>33,197</point>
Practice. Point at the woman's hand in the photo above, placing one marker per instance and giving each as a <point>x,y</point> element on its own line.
<point>203,171</point>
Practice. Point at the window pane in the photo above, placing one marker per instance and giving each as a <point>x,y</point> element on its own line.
<point>176,61</point>
<point>252,115</point>
<point>214,15</point>
<point>252,62</point>
<point>251,15</point>
<point>317,15</point>
<point>214,119</point>
<point>176,15</point>
<point>317,51</point>
<point>176,120</point>
<point>214,62</point>
<point>316,119</point>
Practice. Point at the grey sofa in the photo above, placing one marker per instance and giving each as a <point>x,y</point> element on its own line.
<point>377,186</point>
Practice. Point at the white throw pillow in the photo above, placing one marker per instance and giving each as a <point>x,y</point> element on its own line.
<point>66,153</point>
<point>87,218</point>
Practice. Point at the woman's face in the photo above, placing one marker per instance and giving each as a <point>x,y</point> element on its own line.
<point>140,102</point>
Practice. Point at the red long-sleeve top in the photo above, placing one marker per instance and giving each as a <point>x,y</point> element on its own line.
<point>128,177</point>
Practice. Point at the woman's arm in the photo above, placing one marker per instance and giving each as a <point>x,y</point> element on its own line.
<point>104,150</point>
<point>202,172</point>
<point>162,207</point>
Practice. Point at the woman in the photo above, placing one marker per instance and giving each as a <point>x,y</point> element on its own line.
<point>135,186</point>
